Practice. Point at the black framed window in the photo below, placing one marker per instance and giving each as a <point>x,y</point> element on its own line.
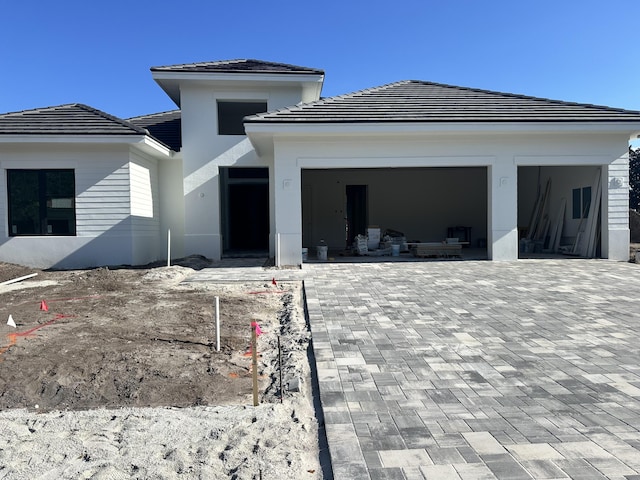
<point>41,202</point>
<point>231,114</point>
<point>581,202</point>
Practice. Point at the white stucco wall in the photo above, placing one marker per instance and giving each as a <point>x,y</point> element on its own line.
<point>105,226</point>
<point>204,152</point>
<point>501,154</point>
<point>171,201</point>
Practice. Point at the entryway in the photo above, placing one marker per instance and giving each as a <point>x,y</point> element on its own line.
<point>245,210</point>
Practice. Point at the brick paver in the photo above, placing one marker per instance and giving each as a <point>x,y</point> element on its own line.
<point>516,370</point>
<point>476,370</point>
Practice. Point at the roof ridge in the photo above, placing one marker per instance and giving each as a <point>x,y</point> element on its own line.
<point>228,64</point>
<point>423,101</point>
<point>209,62</point>
<point>38,109</point>
<point>82,106</point>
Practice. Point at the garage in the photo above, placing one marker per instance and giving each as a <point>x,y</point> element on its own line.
<point>512,175</point>
<point>424,204</point>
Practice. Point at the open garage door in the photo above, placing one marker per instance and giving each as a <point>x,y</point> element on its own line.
<point>424,204</point>
<point>559,211</point>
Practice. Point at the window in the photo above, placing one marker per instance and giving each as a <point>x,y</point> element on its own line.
<point>581,202</point>
<point>41,202</point>
<point>231,113</point>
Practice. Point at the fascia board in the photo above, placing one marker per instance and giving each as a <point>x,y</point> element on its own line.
<point>443,127</point>
<point>148,143</point>
<point>140,140</point>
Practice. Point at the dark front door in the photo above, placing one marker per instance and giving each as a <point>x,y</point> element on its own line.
<point>249,217</point>
<point>357,214</point>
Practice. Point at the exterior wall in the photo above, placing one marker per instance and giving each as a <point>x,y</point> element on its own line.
<point>104,223</point>
<point>171,201</point>
<point>502,223</point>
<point>615,201</point>
<point>204,152</point>
<point>501,154</point>
<point>145,209</point>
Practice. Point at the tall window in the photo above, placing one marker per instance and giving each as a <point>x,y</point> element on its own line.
<point>41,202</point>
<point>581,202</point>
<point>231,113</point>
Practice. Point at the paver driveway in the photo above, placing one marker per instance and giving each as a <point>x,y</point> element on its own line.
<point>514,370</point>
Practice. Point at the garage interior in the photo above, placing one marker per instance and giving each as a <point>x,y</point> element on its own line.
<point>423,204</point>
<point>558,208</point>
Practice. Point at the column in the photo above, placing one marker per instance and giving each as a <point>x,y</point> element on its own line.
<point>288,211</point>
<point>502,191</point>
<point>615,209</point>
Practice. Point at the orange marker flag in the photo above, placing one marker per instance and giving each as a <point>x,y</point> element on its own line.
<point>43,306</point>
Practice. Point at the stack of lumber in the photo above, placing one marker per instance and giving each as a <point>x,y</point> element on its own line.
<point>588,236</point>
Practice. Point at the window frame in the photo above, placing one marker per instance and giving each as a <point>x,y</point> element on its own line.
<point>44,199</point>
<point>230,121</point>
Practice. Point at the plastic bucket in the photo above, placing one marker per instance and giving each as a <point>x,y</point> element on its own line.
<point>395,250</point>
<point>322,252</point>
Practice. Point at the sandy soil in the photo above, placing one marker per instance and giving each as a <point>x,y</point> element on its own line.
<point>119,377</point>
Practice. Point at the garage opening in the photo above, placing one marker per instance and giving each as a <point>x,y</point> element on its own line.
<point>559,211</point>
<point>245,211</point>
<point>425,205</point>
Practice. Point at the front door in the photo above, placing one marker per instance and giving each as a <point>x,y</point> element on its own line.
<point>246,210</point>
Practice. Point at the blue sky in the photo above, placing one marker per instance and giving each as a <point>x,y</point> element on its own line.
<point>99,52</point>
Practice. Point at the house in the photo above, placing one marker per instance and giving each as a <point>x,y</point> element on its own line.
<point>254,160</point>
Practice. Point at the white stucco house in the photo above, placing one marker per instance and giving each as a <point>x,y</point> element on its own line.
<point>254,160</point>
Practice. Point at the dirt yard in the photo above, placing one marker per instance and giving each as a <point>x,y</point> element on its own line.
<point>93,344</point>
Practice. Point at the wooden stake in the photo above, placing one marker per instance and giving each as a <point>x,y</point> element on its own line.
<point>254,362</point>
<point>280,368</point>
<point>217,324</point>
<point>168,247</point>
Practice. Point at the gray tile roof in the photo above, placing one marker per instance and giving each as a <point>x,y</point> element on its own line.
<point>238,66</point>
<point>70,119</point>
<point>418,101</point>
<point>165,126</point>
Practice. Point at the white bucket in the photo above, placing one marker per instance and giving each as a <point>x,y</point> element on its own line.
<point>305,254</point>
<point>395,250</point>
<point>322,252</point>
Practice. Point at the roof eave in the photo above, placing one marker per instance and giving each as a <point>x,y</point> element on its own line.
<point>170,81</point>
<point>345,128</point>
<point>261,135</point>
<point>145,142</point>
